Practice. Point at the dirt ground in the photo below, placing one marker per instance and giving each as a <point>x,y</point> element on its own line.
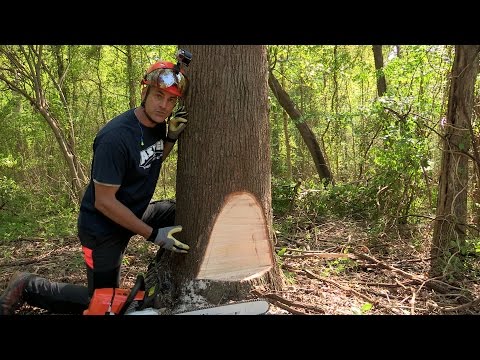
<point>333,268</point>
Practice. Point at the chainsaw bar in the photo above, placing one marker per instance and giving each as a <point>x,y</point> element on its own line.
<point>247,307</point>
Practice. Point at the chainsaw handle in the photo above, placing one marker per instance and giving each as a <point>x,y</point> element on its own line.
<point>159,254</point>
<point>139,285</point>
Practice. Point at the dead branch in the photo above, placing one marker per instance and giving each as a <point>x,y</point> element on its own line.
<point>319,254</point>
<point>433,284</point>
<point>30,261</point>
<point>279,299</point>
<point>346,288</point>
<point>463,306</point>
<point>286,307</point>
<point>412,302</point>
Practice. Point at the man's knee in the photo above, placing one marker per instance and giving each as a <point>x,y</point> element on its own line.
<point>160,213</point>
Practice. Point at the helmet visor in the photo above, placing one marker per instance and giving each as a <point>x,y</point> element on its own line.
<point>166,79</point>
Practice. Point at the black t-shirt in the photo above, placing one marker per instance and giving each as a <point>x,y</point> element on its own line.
<point>119,158</point>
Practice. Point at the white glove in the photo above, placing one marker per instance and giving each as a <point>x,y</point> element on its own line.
<point>177,124</point>
<point>163,237</point>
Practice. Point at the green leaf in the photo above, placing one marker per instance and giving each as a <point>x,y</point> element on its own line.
<point>366,307</point>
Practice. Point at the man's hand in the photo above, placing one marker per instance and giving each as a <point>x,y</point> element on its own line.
<point>175,127</point>
<point>164,238</point>
<point>177,123</point>
<point>180,112</point>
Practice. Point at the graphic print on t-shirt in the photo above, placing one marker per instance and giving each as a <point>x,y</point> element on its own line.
<point>150,154</point>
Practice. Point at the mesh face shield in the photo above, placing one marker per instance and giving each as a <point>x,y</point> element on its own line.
<point>168,79</point>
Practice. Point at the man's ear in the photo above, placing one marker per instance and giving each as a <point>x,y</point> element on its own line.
<point>144,92</point>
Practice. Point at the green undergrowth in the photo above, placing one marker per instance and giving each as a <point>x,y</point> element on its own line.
<point>36,215</point>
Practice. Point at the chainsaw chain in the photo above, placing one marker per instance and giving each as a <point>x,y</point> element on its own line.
<point>214,306</point>
<point>157,286</point>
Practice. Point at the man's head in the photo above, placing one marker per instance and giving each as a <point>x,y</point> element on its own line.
<point>165,75</point>
<point>163,84</point>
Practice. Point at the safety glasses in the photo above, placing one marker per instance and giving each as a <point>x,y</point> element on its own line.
<point>165,78</point>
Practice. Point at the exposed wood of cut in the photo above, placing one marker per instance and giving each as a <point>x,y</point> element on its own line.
<point>239,247</point>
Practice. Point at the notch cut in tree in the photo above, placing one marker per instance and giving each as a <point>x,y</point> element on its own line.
<point>239,246</point>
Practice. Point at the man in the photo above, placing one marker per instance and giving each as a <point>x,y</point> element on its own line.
<point>127,156</point>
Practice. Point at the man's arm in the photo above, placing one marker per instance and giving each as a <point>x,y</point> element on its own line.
<point>107,204</point>
<point>167,147</point>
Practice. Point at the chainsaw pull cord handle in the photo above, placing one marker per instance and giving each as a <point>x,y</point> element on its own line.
<point>139,285</point>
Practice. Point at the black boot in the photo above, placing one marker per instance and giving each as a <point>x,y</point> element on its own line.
<point>14,295</point>
<point>55,297</point>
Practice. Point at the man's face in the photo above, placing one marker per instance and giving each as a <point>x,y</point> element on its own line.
<point>159,103</point>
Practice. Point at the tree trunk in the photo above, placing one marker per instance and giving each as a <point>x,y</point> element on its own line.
<point>381,81</point>
<point>476,147</point>
<point>223,178</point>
<point>132,82</point>
<point>275,143</point>
<point>307,134</point>
<point>451,215</point>
<point>288,148</point>
<point>286,134</point>
<point>29,84</point>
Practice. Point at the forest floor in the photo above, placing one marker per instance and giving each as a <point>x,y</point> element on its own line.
<point>332,268</point>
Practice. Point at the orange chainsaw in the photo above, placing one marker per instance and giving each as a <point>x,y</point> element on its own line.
<point>137,301</point>
<point>108,301</point>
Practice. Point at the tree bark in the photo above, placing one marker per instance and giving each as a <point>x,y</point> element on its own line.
<point>286,134</point>
<point>381,81</point>
<point>132,82</point>
<point>451,214</point>
<point>224,161</point>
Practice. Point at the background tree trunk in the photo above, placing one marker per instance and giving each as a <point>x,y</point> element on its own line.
<point>288,148</point>
<point>307,134</point>
<point>224,152</point>
<point>381,81</point>
<point>132,81</point>
<point>451,214</point>
<point>31,73</point>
